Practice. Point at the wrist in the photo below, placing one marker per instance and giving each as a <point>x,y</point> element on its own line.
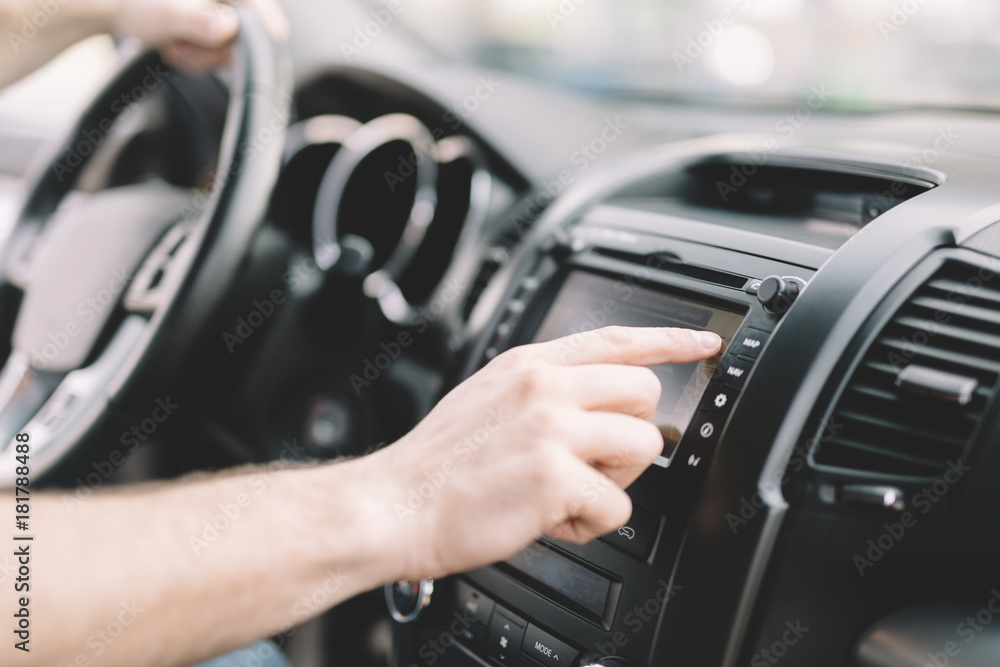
<point>353,525</point>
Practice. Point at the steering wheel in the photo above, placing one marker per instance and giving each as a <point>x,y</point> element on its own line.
<point>102,295</point>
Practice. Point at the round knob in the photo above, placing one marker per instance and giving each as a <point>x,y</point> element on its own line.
<point>610,661</point>
<point>776,294</point>
<point>406,599</point>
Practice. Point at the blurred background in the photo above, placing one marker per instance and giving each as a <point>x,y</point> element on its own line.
<point>873,54</point>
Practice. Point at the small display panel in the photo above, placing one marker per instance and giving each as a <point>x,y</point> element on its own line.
<point>551,572</point>
<point>588,301</point>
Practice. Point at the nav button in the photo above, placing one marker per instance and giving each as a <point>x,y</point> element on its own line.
<point>546,649</point>
<point>733,371</point>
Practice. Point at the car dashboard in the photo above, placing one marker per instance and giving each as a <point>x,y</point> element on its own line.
<point>824,496</point>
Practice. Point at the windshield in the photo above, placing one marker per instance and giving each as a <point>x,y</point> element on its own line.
<point>862,54</point>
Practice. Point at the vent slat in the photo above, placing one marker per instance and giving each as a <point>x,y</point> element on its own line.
<point>952,309</point>
<point>897,428</point>
<point>962,335</point>
<point>888,457</point>
<point>950,324</point>
<point>948,286</point>
<point>945,359</point>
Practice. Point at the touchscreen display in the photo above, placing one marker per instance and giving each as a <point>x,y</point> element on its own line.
<point>588,301</point>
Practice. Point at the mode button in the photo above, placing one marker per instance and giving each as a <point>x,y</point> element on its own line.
<point>546,649</point>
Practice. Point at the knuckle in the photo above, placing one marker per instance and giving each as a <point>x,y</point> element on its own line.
<point>547,467</point>
<point>649,441</point>
<point>617,337</point>
<point>515,357</point>
<point>531,382</point>
<point>649,385</point>
<point>619,509</point>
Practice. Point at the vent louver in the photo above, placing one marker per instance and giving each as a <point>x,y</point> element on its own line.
<point>912,423</point>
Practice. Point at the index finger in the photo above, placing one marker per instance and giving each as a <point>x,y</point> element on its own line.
<point>634,346</point>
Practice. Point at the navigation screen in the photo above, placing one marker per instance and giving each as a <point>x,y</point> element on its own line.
<point>588,301</point>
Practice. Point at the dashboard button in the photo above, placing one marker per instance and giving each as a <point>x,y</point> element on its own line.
<point>719,399</point>
<point>638,535</point>
<point>733,371</point>
<point>506,633</point>
<point>692,460</point>
<point>748,343</point>
<point>473,605</point>
<point>704,429</point>
<point>546,649</point>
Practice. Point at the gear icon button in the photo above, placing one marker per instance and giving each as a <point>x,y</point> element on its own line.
<point>721,400</point>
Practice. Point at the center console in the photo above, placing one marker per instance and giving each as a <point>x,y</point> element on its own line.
<point>557,604</point>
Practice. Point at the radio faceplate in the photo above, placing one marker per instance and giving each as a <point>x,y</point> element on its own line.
<point>593,278</point>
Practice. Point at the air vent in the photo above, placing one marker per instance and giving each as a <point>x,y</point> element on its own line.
<point>915,400</point>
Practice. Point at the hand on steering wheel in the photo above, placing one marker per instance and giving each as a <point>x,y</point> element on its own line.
<point>82,344</point>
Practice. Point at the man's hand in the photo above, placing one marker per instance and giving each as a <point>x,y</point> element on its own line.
<point>194,34</point>
<point>543,440</point>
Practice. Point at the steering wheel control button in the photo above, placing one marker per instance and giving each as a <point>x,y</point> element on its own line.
<point>636,537</point>
<point>473,605</point>
<point>733,371</point>
<point>506,633</point>
<point>776,294</point>
<point>748,343</point>
<point>692,460</point>
<point>546,649</point>
<point>705,429</point>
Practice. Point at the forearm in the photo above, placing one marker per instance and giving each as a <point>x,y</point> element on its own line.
<point>200,567</point>
<point>34,32</point>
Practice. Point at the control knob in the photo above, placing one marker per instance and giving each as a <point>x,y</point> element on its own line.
<point>610,661</point>
<point>777,293</point>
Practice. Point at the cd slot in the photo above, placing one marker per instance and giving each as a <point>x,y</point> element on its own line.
<point>666,261</point>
